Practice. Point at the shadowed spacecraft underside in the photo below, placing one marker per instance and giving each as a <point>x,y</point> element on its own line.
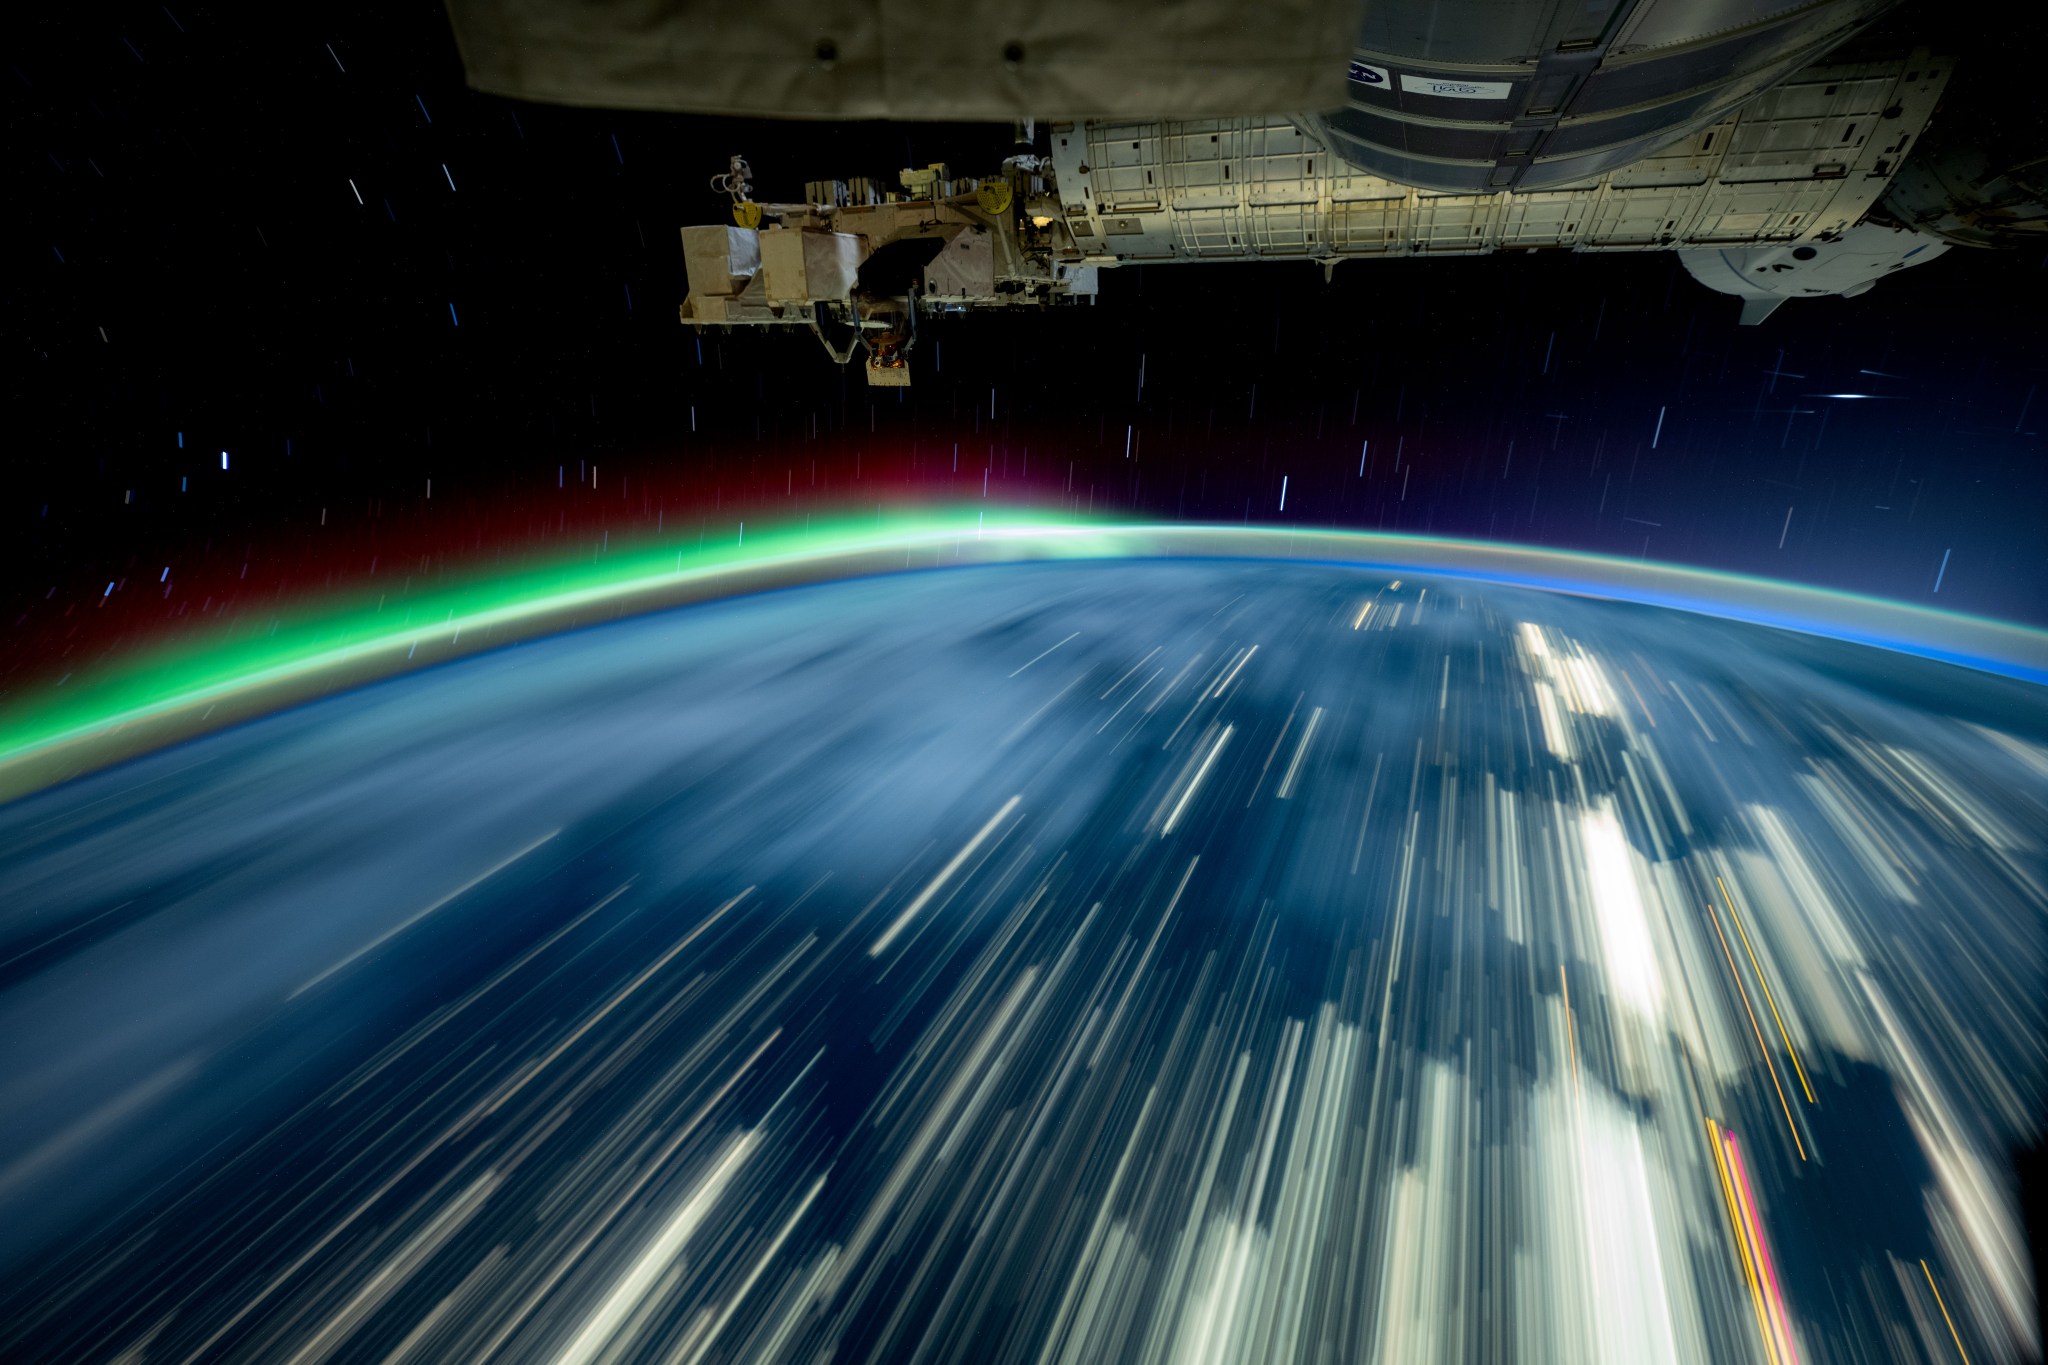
<point>1784,150</point>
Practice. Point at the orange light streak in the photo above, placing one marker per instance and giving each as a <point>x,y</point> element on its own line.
<point>1756,1298</point>
<point>1953,1336</point>
<point>1768,1066</point>
<point>1775,1303</point>
<point>1769,999</point>
<point>1570,1034</point>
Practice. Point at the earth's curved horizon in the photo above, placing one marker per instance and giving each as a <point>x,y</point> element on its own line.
<point>181,688</point>
<point>1147,958</point>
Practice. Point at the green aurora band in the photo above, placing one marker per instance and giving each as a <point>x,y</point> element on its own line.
<point>203,682</point>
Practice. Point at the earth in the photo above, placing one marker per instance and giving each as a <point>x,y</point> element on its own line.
<point>1143,961</point>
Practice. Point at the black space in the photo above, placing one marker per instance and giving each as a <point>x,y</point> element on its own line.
<point>192,264</point>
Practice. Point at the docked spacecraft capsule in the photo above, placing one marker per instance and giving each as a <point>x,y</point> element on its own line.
<point>1534,94</point>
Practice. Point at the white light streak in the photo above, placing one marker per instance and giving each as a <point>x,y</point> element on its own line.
<point>932,887</point>
<point>1626,949</point>
<point>1195,785</point>
<point>634,1285</point>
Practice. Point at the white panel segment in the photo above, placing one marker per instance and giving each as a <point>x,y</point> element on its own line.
<point>1804,160</point>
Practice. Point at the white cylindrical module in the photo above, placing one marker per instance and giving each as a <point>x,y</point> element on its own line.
<point>1534,94</point>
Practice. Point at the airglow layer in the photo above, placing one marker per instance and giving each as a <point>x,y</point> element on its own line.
<point>169,693</point>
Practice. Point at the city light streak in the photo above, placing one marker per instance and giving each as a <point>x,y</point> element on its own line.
<point>1939,1303</point>
<point>1762,1051</point>
<point>1772,1299</point>
<point>1790,1051</point>
<point>1739,1233</point>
